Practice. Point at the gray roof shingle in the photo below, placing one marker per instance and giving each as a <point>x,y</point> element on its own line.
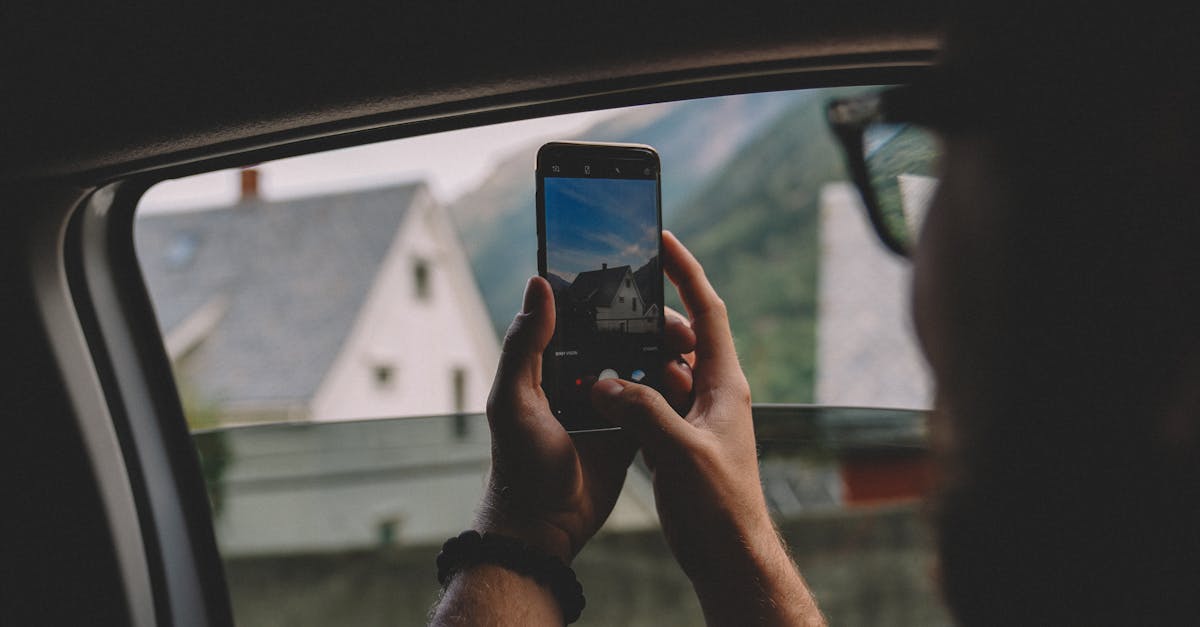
<point>295,274</point>
<point>597,287</point>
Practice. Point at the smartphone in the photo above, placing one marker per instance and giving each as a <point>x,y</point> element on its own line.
<point>599,225</point>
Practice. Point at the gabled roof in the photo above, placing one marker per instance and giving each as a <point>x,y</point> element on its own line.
<point>293,273</point>
<point>598,287</point>
<point>649,281</point>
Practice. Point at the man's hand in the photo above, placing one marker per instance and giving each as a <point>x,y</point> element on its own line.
<point>547,488</point>
<point>705,466</point>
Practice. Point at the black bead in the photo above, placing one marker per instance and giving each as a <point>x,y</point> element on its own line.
<point>469,548</point>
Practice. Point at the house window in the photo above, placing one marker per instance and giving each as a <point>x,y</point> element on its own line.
<point>626,282</point>
<point>458,380</point>
<point>621,299</point>
<point>388,531</point>
<point>384,375</point>
<point>182,250</point>
<point>421,279</point>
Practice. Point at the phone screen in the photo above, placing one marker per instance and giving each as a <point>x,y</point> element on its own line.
<point>601,228</point>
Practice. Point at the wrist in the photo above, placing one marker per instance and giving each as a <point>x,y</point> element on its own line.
<point>539,534</point>
<point>464,553</point>
<point>499,592</point>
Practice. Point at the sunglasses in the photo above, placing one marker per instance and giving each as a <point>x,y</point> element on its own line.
<point>892,154</point>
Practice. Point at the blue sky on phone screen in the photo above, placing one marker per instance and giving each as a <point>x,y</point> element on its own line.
<point>591,222</point>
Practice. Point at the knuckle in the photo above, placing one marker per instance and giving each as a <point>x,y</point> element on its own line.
<point>704,452</point>
<point>715,310</point>
<point>635,397</point>
<point>493,404</point>
<point>741,391</point>
<point>514,332</point>
<point>497,404</point>
<point>719,308</point>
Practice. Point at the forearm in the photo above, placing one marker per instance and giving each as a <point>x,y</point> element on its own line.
<point>760,585</point>
<point>492,595</point>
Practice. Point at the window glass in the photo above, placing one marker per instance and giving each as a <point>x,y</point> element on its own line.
<point>376,282</point>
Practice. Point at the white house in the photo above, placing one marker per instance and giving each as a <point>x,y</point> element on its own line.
<point>345,306</point>
<point>354,305</point>
<point>617,299</point>
<point>867,354</point>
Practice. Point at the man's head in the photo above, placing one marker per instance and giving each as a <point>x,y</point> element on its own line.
<point>1057,297</point>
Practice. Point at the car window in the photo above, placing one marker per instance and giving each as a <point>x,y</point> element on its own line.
<point>333,322</point>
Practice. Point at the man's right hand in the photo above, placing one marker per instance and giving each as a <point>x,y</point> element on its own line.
<point>705,469</point>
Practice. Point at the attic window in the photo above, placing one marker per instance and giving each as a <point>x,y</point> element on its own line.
<point>459,384</point>
<point>182,250</point>
<point>626,282</point>
<point>421,279</point>
<point>383,375</point>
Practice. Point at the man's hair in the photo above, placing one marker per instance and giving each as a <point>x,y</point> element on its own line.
<point>1072,495</point>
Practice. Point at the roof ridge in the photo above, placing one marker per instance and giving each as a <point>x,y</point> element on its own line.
<point>259,203</point>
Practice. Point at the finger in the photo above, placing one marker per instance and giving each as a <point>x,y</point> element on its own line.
<point>710,321</point>
<point>680,338</point>
<point>677,387</point>
<point>607,451</point>
<point>519,372</point>
<point>643,412</point>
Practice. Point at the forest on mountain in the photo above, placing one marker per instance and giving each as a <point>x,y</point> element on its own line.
<point>742,178</point>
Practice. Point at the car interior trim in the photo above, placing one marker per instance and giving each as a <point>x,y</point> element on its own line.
<point>118,320</point>
<point>511,108</point>
<point>83,390</point>
<point>127,345</point>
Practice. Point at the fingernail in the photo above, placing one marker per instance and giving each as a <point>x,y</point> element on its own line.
<point>606,390</point>
<point>527,305</point>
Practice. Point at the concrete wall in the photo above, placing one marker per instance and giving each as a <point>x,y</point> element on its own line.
<point>866,566</point>
<point>315,487</point>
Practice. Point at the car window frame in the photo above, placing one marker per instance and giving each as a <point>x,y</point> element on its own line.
<point>122,336</point>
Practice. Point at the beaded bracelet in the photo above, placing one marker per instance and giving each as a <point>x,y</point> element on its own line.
<point>470,548</point>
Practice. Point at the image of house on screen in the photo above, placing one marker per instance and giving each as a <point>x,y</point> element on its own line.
<point>617,299</point>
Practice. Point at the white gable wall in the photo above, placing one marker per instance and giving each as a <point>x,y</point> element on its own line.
<point>867,354</point>
<point>421,342</point>
<point>620,314</point>
<point>621,309</point>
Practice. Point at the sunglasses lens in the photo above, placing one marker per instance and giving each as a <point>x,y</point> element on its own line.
<point>902,162</point>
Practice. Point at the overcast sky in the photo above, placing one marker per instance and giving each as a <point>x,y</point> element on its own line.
<point>452,163</point>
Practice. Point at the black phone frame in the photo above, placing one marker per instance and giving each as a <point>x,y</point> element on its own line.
<point>578,159</point>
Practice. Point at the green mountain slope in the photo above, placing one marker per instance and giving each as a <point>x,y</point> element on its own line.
<point>754,226</point>
<point>694,138</point>
<point>742,181</point>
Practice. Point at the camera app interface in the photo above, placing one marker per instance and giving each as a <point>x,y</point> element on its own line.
<point>602,247</point>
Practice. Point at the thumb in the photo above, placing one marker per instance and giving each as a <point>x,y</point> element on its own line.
<point>520,367</point>
<point>642,411</point>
